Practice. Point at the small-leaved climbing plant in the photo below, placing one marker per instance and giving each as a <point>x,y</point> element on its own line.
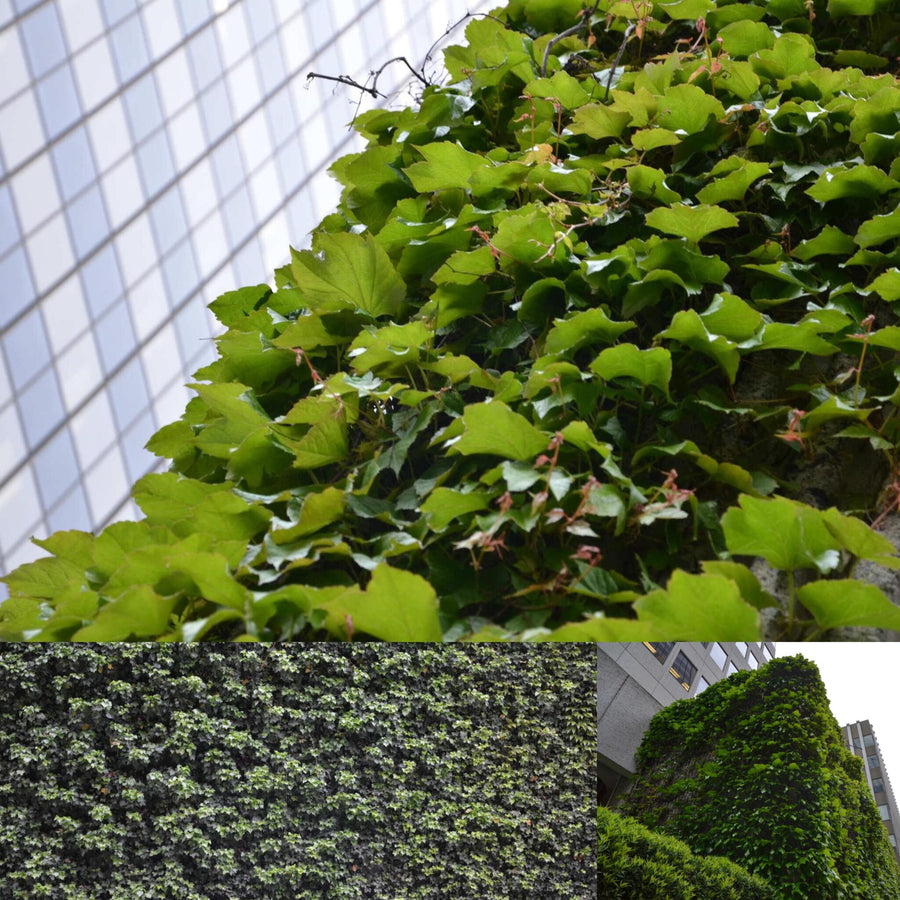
<point>605,317</point>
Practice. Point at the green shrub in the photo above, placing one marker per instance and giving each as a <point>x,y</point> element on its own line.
<point>634,863</point>
<point>593,326</point>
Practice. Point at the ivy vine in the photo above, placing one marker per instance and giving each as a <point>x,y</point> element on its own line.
<point>754,769</point>
<point>601,328</point>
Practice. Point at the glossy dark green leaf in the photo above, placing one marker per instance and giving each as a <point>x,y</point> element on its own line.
<point>878,229</point>
<point>830,241</point>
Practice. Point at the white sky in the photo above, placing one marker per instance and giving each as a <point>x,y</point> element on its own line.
<point>862,681</point>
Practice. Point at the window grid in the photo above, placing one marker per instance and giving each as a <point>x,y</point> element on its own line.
<point>683,670</point>
<point>82,141</point>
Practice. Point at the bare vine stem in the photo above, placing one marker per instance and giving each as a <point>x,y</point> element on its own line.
<point>585,19</point>
<point>612,72</point>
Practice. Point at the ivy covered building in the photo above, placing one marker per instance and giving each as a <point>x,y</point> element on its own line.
<point>636,680</point>
<point>755,770</point>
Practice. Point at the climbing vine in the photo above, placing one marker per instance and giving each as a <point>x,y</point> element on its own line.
<point>601,327</point>
<point>754,769</point>
<point>338,772</point>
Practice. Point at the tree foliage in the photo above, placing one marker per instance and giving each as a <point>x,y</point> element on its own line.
<point>340,772</point>
<point>754,769</point>
<point>597,322</point>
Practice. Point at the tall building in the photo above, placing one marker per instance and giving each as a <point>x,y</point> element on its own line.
<point>636,680</point>
<point>153,155</point>
<point>860,738</point>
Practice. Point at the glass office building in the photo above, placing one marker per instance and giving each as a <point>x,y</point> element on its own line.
<point>154,154</point>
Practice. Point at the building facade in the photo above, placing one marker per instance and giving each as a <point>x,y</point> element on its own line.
<point>153,155</point>
<point>636,680</point>
<point>860,739</point>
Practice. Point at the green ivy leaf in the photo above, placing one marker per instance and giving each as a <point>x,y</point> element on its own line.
<point>748,584</point>
<point>687,9</point>
<point>653,138</point>
<point>859,539</point>
<point>649,184</point>
<point>598,121</point>
<point>349,271</point>
<point>233,306</point>
<point>396,606</point>
<point>701,607</point>
<point>845,8</point>
<point>887,285</point>
<point>583,329</point>
<point>325,443</point>
<point>878,229</point>
<point>731,317</point>
<point>743,38</point>
<point>687,108</point>
<point>447,165</point>
<point>689,329</point>
<point>187,506</point>
<point>390,348</point>
<point>493,428</point>
<point>786,534</point>
<point>651,367</point>
<point>318,510</point>
<point>691,222</point>
<point>847,603</point>
<point>138,613</point>
<point>733,177</point>
<point>600,629</point>
<point>445,504</point>
<point>830,241</point>
<point>866,182</point>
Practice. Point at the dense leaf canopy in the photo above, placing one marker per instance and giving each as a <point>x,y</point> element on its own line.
<point>322,772</point>
<point>608,309</point>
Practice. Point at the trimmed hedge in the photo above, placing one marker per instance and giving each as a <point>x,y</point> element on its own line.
<point>755,769</point>
<point>324,772</point>
<point>634,863</point>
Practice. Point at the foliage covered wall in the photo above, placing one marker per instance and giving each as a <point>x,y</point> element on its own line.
<point>602,319</point>
<point>359,772</point>
<point>635,863</point>
<point>754,769</point>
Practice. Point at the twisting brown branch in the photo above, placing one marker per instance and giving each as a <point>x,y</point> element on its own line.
<point>419,74</point>
<point>343,79</point>
<point>586,16</point>
<point>374,75</point>
<point>628,32</point>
